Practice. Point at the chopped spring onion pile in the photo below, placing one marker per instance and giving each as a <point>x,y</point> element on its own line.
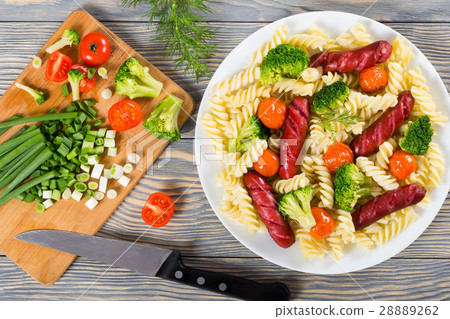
<point>57,155</point>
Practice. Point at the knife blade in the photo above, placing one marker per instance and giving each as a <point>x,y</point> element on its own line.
<point>154,261</point>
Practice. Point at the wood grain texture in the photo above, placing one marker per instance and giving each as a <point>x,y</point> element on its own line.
<point>232,10</point>
<point>395,279</point>
<point>420,272</point>
<point>44,264</point>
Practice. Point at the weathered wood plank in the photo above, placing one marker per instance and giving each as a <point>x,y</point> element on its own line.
<point>199,232</point>
<point>412,279</point>
<point>16,49</point>
<point>224,10</point>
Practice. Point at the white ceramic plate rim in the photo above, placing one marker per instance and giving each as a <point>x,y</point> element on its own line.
<point>355,258</point>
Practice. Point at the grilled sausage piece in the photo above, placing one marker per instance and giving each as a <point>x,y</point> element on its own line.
<point>384,127</point>
<point>295,129</point>
<point>266,204</point>
<point>386,204</point>
<point>352,60</point>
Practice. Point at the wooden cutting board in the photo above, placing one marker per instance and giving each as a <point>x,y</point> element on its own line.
<point>44,264</point>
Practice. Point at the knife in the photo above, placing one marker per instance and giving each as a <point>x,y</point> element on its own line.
<point>154,261</point>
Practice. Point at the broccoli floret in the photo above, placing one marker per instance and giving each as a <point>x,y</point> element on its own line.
<point>281,62</point>
<point>75,77</point>
<point>133,80</point>
<point>163,122</point>
<point>350,185</point>
<point>69,37</point>
<point>297,205</point>
<point>38,96</point>
<point>417,137</point>
<point>330,97</point>
<point>251,130</point>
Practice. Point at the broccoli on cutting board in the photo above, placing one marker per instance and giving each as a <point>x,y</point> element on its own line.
<point>331,97</point>
<point>69,37</point>
<point>297,206</point>
<point>163,122</point>
<point>134,80</point>
<point>251,130</point>
<point>284,61</point>
<point>75,77</point>
<point>38,96</point>
<point>417,137</point>
<point>350,185</point>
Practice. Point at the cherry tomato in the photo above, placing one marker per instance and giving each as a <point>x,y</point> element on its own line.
<point>337,155</point>
<point>373,79</point>
<point>86,84</point>
<point>324,223</point>
<point>268,163</point>
<point>58,65</point>
<point>124,115</point>
<point>158,210</point>
<point>272,113</point>
<point>95,49</point>
<point>402,164</point>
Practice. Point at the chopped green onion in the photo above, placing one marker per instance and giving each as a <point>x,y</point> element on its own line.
<point>90,138</point>
<point>48,203</point>
<point>84,159</point>
<point>56,194</point>
<point>112,151</point>
<point>83,177</point>
<point>101,132</point>
<point>99,150</point>
<point>63,150</point>
<point>65,90</point>
<point>78,136</point>
<point>62,184</point>
<point>73,153</point>
<point>99,141</point>
<point>89,102</point>
<point>89,193</point>
<point>91,73</point>
<point>29,198</point>
<point>67,193</point>
<point>93,133</point>
<point>93,159</point>
<point>76,195</point>
<point>111,194</point>
<point>40,208</point>
<point>98,123</point>
<point>39,118</point>
<point>128,168</point>
<point>85,168</point>
<point>93,185</point>
<point>52,184</point>
<point>99,195</point>
<point>80,186</point>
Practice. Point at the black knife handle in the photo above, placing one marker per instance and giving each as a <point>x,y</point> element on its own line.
<point>174,269</point>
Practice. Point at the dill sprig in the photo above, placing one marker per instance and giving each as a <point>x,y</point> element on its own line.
<point>344,118</point>
<point>187,35</point>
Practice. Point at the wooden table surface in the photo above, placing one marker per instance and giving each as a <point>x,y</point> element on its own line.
<point>420,272</point>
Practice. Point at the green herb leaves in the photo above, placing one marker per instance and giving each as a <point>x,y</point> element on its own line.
<point>186,34</point>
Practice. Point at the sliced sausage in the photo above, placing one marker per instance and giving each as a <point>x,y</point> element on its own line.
<point>266,204</point>
<point>384,127</point>
<point>295,129</point>
<point>386,204</point>
<point>352,60</point>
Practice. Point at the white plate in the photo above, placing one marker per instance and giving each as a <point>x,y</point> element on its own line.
<point>355,258</point>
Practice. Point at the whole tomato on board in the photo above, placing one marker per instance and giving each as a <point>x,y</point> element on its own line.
<point>58,65</point>
<point>124,115</point>
<point>158,210</point>
<point>86,84</point>
<point>95,49</point>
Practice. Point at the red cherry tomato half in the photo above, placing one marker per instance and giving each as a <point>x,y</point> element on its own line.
<point>58,65</point>
<point>158,210</point>
<point>324,223</point>
<point>95,49</point>
<point>86,84</point>
<point>337,155</point>
<point>124,115</point>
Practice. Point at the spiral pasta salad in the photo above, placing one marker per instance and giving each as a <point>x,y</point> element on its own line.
<point>326,142</point>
